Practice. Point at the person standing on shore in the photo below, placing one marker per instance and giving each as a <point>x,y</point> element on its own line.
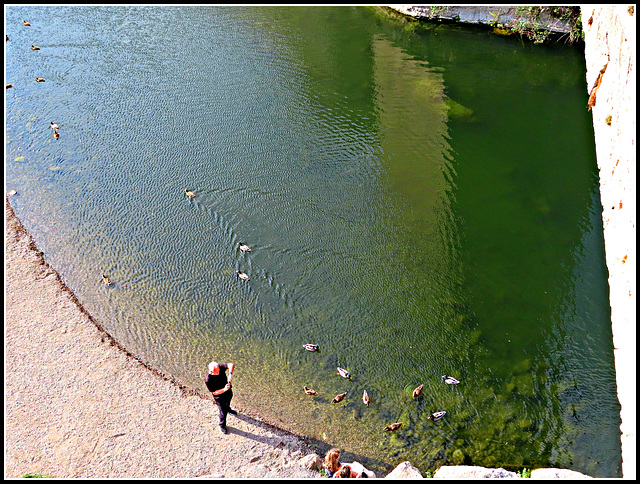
<point>220,387</point>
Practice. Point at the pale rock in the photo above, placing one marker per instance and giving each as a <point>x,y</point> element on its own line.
<point>473,472</point>
<point>311,462</point>
<point>404,470</point>
<point>551,473</point>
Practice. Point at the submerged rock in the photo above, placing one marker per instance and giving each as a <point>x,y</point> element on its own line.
<point>457,110</point>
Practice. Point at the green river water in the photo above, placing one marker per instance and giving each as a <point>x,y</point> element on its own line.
<point>421,200</point>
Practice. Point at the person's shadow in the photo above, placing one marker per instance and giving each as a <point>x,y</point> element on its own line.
<point>317,446</point>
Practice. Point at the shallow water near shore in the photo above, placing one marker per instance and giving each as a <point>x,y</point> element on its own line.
<point>420,201</point>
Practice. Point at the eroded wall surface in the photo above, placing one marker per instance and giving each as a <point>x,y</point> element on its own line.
<point>610,40</point>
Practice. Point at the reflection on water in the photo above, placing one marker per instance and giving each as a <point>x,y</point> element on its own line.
<point>420,201</point>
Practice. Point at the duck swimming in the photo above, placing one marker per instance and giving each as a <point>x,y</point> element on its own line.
<point>244,247</point>
<point>53,125</point>
<point>107,281</point>
<point>26,23</point>
<point>39,79</point>
<point>344,373</point>
<point>9,86</point>
<point>311,347</point>
<point>309,391</point>
<point>449,380</point>
<point>34,47</point>
<point>392,427</point>
<point>56,135</point>
<point>189,193</point>
<point>339,397</point>
<point>437,415</point>
<point>242,276</point>
<point>366,399</point>
<point>418,391</point>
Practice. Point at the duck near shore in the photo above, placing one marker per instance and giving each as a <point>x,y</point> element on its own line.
<point>338,398</point>
<point>449,380</point>
<point>242,276</point>
<point>393,427</point>
<point>344,373</point>
<point>437,415</point>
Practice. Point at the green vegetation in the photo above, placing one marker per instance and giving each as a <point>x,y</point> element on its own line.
<point>529,22</point>
<point>525,473</point>
<point>38,475</point>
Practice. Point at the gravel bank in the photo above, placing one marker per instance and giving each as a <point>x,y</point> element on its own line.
<point>79,406</point>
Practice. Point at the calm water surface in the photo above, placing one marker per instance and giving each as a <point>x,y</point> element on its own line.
<point>421,200</point>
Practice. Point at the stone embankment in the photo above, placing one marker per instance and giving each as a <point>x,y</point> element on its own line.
<point>610,54</point>
<point>498,16</point>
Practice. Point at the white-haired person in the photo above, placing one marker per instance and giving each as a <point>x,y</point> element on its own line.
<point>220,387</point>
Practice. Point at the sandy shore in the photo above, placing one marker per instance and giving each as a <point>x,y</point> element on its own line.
<point>78,405</point>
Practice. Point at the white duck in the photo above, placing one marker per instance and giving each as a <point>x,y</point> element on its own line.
<point>437,415</point>
<point>449,380</point>
<point>344,373</point>
<point>242,276</point>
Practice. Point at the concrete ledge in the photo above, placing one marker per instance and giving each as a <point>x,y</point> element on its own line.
<point>482,15</point>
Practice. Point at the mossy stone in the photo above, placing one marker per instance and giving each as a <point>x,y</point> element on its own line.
<point>457,110</point>
<point>458,457</point>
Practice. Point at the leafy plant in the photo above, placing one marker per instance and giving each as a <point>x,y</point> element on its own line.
<point>38,475</point>
<point>525,473</point>
<point>529,22</point>
<point>435,11</point>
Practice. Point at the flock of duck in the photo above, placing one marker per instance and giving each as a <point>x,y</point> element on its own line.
<point>243,247</point>
<point>449,380</point>
<point>52,125</point>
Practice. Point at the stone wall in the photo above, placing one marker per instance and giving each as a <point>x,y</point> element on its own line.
<point>610,40</point>
<point>498,15</point>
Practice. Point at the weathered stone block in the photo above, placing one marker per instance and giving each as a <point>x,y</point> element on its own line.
<point>404,471</point>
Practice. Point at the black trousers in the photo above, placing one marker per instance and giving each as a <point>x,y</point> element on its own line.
<point>223,401</point>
